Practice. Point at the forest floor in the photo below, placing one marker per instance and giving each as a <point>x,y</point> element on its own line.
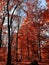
<point>3,59</point>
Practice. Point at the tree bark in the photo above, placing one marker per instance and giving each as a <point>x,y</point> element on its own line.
<point>0,38</point>
<point>39,49</point>
<point>9,44</point>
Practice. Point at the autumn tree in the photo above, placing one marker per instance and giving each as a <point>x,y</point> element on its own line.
<point>27,20</point>
<point>9,26</point>
<point>34,13</point>
<point>6,14</point>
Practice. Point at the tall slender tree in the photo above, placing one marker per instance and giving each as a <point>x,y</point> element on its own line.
<point>9,44</point>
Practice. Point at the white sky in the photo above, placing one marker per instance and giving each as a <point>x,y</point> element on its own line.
<point>43,3</point>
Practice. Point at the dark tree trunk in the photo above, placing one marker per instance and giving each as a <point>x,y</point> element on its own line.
<point>0,38</point>
<point>9,48</point>
<point>9,45</point>
<point>39,49</point>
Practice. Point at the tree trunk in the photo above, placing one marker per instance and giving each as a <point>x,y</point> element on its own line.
<point>1,31</point>
<point>39,49</point>
<point>9,44</point>
<point>0,38</point>
<point>17,43</point>
<point>27,44</point>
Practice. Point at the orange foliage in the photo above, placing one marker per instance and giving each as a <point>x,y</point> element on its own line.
<point>29,29</point>
<point>47,0</point>
<point>27,36</point>
<point>46,15</point>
